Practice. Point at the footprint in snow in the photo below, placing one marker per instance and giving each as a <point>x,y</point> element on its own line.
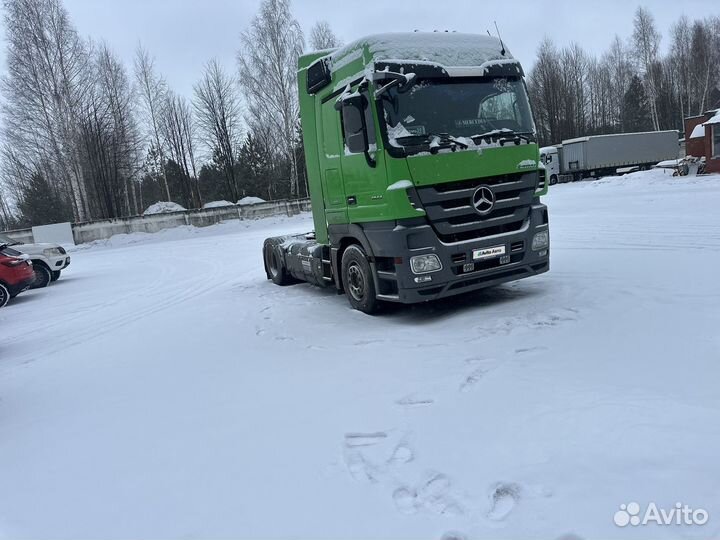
<point>414,401</point>
<point>405,500</point>
<point>473,378</point>
<point>503,498</point>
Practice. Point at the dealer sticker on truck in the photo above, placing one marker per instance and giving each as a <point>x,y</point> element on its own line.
<point>488,253</point>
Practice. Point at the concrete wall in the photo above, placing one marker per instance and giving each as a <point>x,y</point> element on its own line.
<point>100,230</point>
<point>24,236</point>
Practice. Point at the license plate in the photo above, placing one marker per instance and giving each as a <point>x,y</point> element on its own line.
<point>488,253</point>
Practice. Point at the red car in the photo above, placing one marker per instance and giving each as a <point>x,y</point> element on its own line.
<point>16,274</point>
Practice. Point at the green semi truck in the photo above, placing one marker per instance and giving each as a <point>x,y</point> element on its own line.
<point>423,169</point>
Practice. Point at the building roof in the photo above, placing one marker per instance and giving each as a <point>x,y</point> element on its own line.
<point>715,119</point>
<point>698,132</point>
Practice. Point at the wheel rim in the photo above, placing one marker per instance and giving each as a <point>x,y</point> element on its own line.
<point>42,276</point>
<point>4,296</point>
<point>356,282</point>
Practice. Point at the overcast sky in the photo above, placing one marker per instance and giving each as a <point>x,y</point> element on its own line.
<point>184,34</point>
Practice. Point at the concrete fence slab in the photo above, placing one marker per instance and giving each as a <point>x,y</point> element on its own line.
<point>103,229</point>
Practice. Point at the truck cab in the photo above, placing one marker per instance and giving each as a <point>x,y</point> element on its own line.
<point>550,157</point>
<point>423,168</point>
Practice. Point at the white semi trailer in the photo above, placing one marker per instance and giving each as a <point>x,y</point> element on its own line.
<point>603,155</point>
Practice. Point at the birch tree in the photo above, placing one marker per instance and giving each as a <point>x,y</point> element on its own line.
<point>177,130</point>
<point>153,91</point>
<point>267,62</point>
<point>45,90</point>
<point>646,39</point>
<point>322,37</point>
<point>218,114</point>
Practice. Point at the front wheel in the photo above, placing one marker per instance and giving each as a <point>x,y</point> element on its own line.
<point>55,275</point>
<point>42,277</point>
<point>4,295</point>
<point>358,280</point>
<point>553,180</point>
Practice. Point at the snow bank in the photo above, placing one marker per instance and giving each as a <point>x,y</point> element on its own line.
<point>251,200</point>
<point>163,207</point>
<point>217,204</point>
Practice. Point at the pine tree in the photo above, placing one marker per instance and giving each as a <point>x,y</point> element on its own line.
<point>637,111</point>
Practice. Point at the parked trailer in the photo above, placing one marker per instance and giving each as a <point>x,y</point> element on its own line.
<point>603,155</point>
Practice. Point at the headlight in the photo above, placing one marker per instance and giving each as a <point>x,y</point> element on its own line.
<point>51,252</point>
<point>541,240</point>
<point>423,264</point>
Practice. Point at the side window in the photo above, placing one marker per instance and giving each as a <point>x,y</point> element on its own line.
<point>548,158</point>
<point>368,122</point>
<point>716,140</point>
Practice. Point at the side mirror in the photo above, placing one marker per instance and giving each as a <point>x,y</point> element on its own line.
<point>353,117</point>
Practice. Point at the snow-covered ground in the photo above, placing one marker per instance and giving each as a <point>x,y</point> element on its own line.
<point>164,389</point>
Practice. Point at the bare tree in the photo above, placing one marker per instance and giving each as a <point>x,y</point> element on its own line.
<point>268,62</point>
<point>177,130</point>
<point>322,37</point>
<point>153,94</point>
<point>218,113</point>
<point>646,39</point>
<point>110,138</point>
<point>45,90</point>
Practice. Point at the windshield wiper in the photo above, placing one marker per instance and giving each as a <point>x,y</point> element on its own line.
<point>505,135</point>
<point>437,141</point>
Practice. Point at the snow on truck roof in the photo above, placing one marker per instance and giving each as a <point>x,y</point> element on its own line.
<point>447,49</point>
<point>587,138</point>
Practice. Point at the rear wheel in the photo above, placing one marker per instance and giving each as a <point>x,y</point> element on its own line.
<point>42,276</point>
<point>275,265</point>
<point>4,295</point>
<point>55,275</point>
<point>358,280</point>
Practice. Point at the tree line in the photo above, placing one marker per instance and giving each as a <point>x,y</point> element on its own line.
<point>631,86</point>
<point>85,136</point>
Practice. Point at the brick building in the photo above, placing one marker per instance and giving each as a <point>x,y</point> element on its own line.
<point>702,138</point>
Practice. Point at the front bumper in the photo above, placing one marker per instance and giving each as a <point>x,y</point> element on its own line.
<point>399,283</point>
<point>59,263</point>
<point>20,286</point>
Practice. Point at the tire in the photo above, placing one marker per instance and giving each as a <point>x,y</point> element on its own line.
<point>54,275</point>
<point>42,276</point>
<point>275,265</point>
<point>553,180</point>
<point>4,296</point>
<point>358,280</point>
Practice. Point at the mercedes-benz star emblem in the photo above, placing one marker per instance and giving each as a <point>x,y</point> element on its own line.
<point>483,200</point>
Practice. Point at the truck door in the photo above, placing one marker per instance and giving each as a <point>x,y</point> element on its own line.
<point>330,163</point>
<point>365,180</point>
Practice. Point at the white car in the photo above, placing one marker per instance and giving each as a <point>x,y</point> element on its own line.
<point>48,260</point>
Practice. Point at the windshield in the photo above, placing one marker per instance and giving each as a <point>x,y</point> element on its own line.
<point>459,108</point>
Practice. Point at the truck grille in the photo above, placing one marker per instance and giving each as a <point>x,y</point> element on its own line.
<point>450,210</point>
